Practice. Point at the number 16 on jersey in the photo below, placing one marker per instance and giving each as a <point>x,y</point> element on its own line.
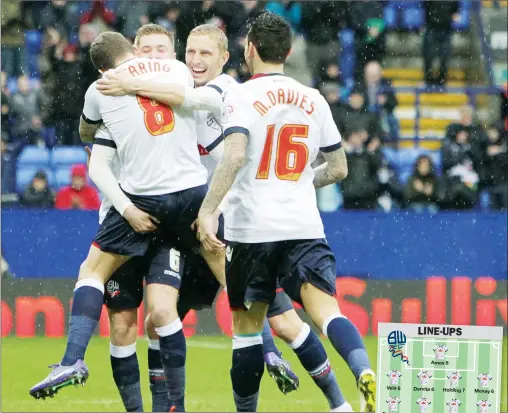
<point>291,156</point>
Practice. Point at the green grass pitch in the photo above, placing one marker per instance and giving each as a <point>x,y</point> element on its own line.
<point>24,362</point>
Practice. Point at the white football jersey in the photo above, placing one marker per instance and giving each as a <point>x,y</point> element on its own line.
<point>454,378</point>
<point>156,144</point>
<point>103,133</point>
<point>424,403</point>
<point>453,405</point>
<point>210,124</point>
<point>393,403</point>
<point>484,406</point>
<point>424,377</point>
<point>273,197</point>
<point>440,352</point>
<point>484,379</point>
<point>394,376</point>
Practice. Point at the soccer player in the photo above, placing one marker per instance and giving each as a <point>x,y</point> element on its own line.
<point>155,145</point>
<point>124,291</point>
<point>206,54</point>
<point>273,227</point>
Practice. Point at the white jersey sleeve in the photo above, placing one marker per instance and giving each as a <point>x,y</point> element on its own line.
<point>103,135</point>
<point>91,109</point>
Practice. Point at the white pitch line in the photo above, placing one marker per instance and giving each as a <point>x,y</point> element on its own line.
<point>208,344</point>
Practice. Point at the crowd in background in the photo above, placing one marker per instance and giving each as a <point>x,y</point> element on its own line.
<point>363,107</point>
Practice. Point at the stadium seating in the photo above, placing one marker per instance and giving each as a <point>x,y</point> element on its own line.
<point>34,156</point>
<point>56,163</point>
<point>65,156</point>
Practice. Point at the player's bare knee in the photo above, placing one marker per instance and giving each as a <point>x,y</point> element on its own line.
<point>150,328</point>
<point>250,322</point>
<point>319,305</point>
<point>161,315</point>
<point>162,304</point>
<point>287,325</point>
<point>123,327</point>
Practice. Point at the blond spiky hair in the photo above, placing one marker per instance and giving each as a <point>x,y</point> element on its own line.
<point>211,30</point>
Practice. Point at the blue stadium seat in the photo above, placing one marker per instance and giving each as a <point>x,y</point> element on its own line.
<point>33,41</point>
<point>68,156</point>
<point>12,85</point>
<point>25,174</point>
<point>390,17</point>
<point>390,155</point>
<point>407,157</point>
<point>34,156</point>
<point>484,201</point>
<point>347,39</point>
<point>465,16</point>
<point>32,61</point>
<point>62,177</point>
<point>413,18</point>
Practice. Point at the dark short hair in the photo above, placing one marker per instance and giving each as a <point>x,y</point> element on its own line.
<point>107,48</point>
<point>271,35</point>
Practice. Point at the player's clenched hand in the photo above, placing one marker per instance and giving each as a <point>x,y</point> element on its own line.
<point>208,225</point>
<point>140,221</point>
<point>114,84</point>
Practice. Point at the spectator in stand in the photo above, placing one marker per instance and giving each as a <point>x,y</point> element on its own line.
<point>379,97</point>
<point>366,18</point>
<point>466,122</point>
<point>321,22</point>
<point>236,66</point>
<point>461,163</point>
<point>68,94</point>
<point>6,116</point>
<point>78,195</point>
<point>422,188</point>
<point>495,167</point>
<point>99,16</point>
<point>26,105</point>
<point>437,43</point>
<point>14,21</point>
<point>62,16</point>
<point>168,17</point>
<point>330,76</point>
<point>131,15</point>
<point>8,165</point>
<point>296,65</point>
<point>353,117</point>
<point>38,194</point>
<point>361,189</point>
<point>504,107</point>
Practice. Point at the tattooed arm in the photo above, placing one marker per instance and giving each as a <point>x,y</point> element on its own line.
<point>223,178</point>
<point>333,170</point>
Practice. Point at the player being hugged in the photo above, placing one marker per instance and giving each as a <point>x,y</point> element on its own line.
<point>273,228</point>
<point>161,187</point>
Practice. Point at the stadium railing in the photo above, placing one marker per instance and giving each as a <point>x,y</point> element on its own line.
<point>471,91</point>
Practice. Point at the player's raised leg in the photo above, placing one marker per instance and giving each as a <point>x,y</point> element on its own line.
<point>85,313</point>
<point>324,311</point>
<point>308,348</point>
<point>123,357</point>
<point>156,376</point>
<point>278,368</point>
